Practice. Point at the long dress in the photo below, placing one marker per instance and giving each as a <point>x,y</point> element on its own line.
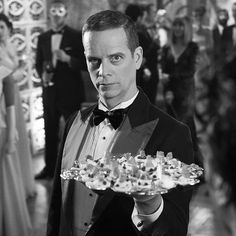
<point>23,145</point>
<point>181,84</point>
<point>14,216</point>
<point>23,148</point>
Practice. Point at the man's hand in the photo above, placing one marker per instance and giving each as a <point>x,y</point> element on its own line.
<point>147,204</point>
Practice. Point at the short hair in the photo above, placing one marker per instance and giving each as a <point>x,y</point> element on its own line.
<point>109,19</point>
<point>5,19</point>
<point>200,11</point>
<point>187,29</point>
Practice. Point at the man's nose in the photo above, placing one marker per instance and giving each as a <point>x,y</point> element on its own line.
<point>104,68</point>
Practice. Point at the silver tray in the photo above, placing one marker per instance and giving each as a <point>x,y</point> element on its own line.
<point>140,174</point>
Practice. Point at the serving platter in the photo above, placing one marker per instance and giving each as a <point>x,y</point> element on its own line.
<point>141,174</point>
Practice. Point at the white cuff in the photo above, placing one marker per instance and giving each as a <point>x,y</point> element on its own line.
<point>141,221</point>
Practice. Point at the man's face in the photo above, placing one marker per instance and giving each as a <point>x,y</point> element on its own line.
<point>58,14</point>
<point>111,65</point>
<point>223,18</point>
<point>178,29</point>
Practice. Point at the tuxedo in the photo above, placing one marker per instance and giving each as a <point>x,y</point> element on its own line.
<point>218,44</point>
<point>144,127</point>
<point>229,49</point>
<point>67,93</point>
<point>150,53</point>
<point>227,38</point>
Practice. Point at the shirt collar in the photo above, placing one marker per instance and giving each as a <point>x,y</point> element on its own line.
<point>122,105</point>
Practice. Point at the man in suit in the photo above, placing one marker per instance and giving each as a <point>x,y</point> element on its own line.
<point>229,47</point>
<point>59,61</point>
<point>113,55</point>
<point>217,33</point>
<point>147,76</point>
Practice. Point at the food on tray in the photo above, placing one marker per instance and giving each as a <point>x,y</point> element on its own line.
<point>142,174</point>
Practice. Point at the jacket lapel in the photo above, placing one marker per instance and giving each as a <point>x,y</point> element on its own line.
<point>48,46</point>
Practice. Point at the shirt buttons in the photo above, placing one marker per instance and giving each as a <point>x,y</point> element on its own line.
<point>91,195</point>
<point>103,138</point>
<point>85,224</point>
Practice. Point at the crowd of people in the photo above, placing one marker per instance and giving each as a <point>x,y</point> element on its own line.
<point>194,71</point>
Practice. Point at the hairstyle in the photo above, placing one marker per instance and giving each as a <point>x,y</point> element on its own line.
<point>5,19</point>
<point>223,10</point>
<point>64,3</point>
<point>134,11</point>
<point>108,19</point>
<point>187,37</point>
<point>199,11</point>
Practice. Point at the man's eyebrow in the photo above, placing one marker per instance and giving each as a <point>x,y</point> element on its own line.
<point>92,57</point>
<point>116,53</point>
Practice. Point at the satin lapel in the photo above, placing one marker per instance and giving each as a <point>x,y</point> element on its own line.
<point>79,132</point>
<point>127,139</point>
<point>132,140</point>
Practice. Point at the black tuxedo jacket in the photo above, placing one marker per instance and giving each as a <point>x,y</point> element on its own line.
<point>227,39</point>
<point>217,43</point>
<point>69,88</point>
<point>144,126</point>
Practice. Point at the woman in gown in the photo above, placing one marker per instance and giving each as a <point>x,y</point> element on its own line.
<point>14,216</point>
<point>23,144</point>
<point>178,59</point>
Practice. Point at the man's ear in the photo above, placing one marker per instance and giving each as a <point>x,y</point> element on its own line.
<point>138,57</point>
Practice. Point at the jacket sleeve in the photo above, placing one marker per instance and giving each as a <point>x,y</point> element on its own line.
<point>39,57</point>
<point>174,218</point>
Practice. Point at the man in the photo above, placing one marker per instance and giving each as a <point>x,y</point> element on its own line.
<point>59,61</point>
<point>113,55</point>
<point>229,46</point>
<point>147,76</point>
<point>217,32</point>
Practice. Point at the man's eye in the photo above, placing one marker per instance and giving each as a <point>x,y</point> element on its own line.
<point>94,62</point>
<point>116,58</point>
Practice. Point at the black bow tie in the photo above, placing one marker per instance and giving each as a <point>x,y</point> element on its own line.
<point>57,32</point>
<point>115,117</point>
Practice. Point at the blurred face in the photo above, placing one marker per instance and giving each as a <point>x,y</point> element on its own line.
<point>223,18</point>
<point>4,31</point>
<point>151,14</point>
<point>58,15</point>
<point>178,29</point>
<point>111,65</point>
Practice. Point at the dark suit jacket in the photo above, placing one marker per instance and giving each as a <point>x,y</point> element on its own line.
<point>217,43</point>
<point>144,127</point>
<point>150,54</point>
<point>227,37</point>
<point>229,50</point>
<point>68,81</point>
